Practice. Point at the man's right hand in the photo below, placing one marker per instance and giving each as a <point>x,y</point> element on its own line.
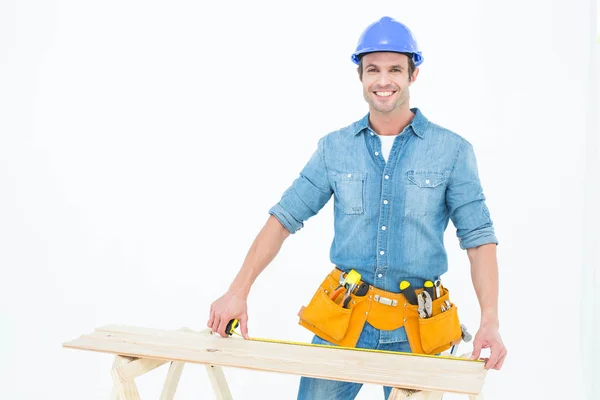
<point>224,309</point>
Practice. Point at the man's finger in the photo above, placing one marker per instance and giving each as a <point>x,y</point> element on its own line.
<point>221,328</point>
<point>211,318</point>
<point>244,326</point>
<point>501,360</point>
<point>494,357</point>
<point>476,350</point>
<point>215,324</point>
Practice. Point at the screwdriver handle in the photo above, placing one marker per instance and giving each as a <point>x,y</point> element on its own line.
<point>408,292</point>
<point>430,289</point>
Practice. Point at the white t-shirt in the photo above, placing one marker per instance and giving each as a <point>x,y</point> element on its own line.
<point>386,145</point>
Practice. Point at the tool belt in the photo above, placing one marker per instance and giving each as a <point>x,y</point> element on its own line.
<point>384,310</point>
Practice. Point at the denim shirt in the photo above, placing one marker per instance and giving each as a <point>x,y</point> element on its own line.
<point>390,218</point>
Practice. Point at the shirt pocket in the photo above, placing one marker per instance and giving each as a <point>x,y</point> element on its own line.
<point>425,192</point>
<point>350,191</point>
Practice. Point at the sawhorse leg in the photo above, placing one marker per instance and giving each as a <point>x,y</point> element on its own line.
<point>217,377</point>
<point>175,369</point>
<point>123,389</point>
<point>219,384</point>
<point>126,369</point>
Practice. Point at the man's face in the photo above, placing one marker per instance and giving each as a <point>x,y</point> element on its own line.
<point>386,81</point>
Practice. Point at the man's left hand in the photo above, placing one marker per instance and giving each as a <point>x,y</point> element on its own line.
<point>489,337</point>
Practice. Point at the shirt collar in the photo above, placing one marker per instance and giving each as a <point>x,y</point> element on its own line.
<point>418,124</point>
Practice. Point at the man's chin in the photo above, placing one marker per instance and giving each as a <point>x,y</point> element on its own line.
<point>383,109</point>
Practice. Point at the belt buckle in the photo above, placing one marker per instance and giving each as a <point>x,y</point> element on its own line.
<point>385,300</point>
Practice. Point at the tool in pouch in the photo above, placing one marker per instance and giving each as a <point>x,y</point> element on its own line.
<point>425,304</point>
<point>341,322</point>
<point>347,286</point>
<point>428,287</point>
<point>408,292</point>
<point>465,337</point>
<point>432,325</point>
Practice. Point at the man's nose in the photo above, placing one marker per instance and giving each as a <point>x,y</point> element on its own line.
<point>383,79</point>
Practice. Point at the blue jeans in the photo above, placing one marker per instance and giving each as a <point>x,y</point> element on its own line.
<point>370,338</point>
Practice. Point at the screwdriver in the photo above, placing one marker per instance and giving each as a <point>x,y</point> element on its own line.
<point>408,292</point>
<point>429,288</point>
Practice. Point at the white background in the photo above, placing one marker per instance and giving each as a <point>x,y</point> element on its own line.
<point>142,144</point>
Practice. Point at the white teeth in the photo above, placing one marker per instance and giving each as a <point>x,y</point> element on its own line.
<point>384,94</point>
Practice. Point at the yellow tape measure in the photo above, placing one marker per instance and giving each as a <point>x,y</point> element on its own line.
<point>234,323</point>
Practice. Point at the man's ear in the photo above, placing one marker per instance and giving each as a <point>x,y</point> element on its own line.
<point>359,77</point>
<point>414,76</point>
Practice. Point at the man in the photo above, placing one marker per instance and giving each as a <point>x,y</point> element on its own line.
<point>397,179</point>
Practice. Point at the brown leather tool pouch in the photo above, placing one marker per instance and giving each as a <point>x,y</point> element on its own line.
<point>434,334</point>
<point>327,319</point>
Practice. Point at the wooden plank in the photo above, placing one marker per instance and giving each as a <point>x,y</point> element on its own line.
<point>139,367</point>
<point>432,395</point>
<point>126,389</point>
<point>173,376</point>
<point>186,333</point>
<point>211,353</point>
<point>396,370</point>
<point>176,336</point>
<point>235,344</point>
<point>218,382</point>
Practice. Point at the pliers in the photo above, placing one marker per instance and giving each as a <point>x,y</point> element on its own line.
<point>348,282</point>
<point>425,304</point>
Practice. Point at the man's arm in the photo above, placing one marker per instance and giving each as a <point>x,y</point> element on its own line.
<point>264,249</point>
<point>484,274</point>
<point>302,200</point>
<point>233,304</point>
<point>475,231</point>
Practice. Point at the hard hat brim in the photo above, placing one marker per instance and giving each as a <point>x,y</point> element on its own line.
<point>416,55</point>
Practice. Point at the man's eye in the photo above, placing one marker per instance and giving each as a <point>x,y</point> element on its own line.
<point>396,70</point>
<point>371,70</point>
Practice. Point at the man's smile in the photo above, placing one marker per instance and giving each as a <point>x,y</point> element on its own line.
<point>385,94</point>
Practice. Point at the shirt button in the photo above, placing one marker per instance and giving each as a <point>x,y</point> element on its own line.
<point>380,275</point>
<point>382,252</point>
<point>376,153</point>
<point>349,175</point>
<point>383,228</point>
<point>371,133</point>
<point>387,177</point>
<point>427,181</point>
<point>385,202</point>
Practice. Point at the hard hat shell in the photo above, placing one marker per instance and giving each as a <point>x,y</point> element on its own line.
<point>387,34</point>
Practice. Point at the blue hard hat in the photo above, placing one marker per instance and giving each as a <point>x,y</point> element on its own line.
<point>387,34</point>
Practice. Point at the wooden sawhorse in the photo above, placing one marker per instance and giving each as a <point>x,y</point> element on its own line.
<point>140,350</point>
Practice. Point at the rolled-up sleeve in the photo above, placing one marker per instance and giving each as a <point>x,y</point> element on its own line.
<point>307,195</point>
<point>466,201</point>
